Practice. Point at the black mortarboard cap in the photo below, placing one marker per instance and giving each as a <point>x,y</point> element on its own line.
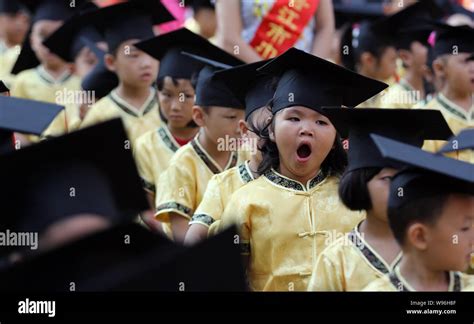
<point>310,81</point>
<point>411,126</point>
<point>11,6</point>
<point>42,10</point>
<point>85,257</point>
<point>427,173</point>
<point>129,20</point>
<point>250,86</point>
<point>24,116</point>
<point>103,262</point>
<point>412,23</point>
<point>209,90</point>
<point>52,9</point>
<point>352,13</point>
<point>66,42</point>
<point>88,171</point>
<point>453,39</point>
<point>463,141</point>
<point>167,49</point>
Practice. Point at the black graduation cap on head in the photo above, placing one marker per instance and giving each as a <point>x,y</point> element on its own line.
<point>463,141</point>
<point>23,116</point>
<point>77,260</point>
<point>451,39</point>
<point>428,173</point>
<point>209,90</point>
<point>51,9</point>
<point>11,6</point>
<point>3,87</point>
<point>352,12</point>
<point>102,262</point>
<point>129,20</point>
<point>309,81</point>
<point>90,171</point>
<point>250,86</point>
<point>412,23</point>
<point>58,10</point>
<point>411,126</point>
<point>167,49</point>
<point>100,80</point>
<point>66,42</point>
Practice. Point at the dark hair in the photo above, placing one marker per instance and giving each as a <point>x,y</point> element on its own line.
<point>160,83</point>
<point>353,189</point>
<point>334,163</point>
<point>423,210</point>
<point>367,42</point>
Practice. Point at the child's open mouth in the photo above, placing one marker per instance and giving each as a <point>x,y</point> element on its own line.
<point>303,152</point>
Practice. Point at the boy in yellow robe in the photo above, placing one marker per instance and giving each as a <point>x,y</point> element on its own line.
<point>134,100</point>
<point>217,111</point>
<point>176,95</point>
<point>220,188</point>
<point>411,41</point>
<point>430,211</point>
<point>454,66</point>
<point>370,250</point>
<point>42,75</point>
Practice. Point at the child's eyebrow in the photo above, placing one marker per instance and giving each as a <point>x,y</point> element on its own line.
<point>296,111</point>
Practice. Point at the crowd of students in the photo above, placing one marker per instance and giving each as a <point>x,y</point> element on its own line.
<point>354,174</point>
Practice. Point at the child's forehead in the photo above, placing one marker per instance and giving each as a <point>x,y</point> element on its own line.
<point>300,110</point>
<point>457,208</point>
<point>177,82</point>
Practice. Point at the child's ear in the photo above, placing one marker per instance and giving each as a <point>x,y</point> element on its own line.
<point>243,127</point>
<point>367,59</point>
<point>417,235</point>
<point>439,68</point>
<point>199,116</point>
<point>405,56</point>
<point>109,61</point>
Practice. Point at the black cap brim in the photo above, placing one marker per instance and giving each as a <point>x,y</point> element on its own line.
<point>349,87</point>
<point>423,160</point>
<point>26,116</point>
<point>463,141</point>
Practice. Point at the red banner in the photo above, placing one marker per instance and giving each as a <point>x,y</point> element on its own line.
<point>283,25</point>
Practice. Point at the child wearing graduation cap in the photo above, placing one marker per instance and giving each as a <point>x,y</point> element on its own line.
<point>256,94</point>
<point>430,211</point>
<point>14,23</point>
<point>461,147</point>
<point>454,65</point>
<point>41,74</point>
<point>370,250</point>
<point>217,111</point>
<point>368,48</point>
<point>67,42</point>
<point>413,31</point>
<point>134,100</point>
<point>176,93</point>
<point>289,214</point>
